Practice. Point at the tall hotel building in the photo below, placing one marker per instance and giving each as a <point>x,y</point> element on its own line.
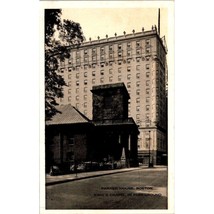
<point>139,61</point>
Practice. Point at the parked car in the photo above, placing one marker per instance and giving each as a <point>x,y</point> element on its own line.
<point>91,166</point>
<point>81,167</point>
<point>55,170</point>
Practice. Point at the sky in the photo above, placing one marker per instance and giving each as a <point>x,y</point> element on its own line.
<point>101,21</point>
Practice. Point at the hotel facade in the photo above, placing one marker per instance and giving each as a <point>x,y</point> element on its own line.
<point>139,61</point>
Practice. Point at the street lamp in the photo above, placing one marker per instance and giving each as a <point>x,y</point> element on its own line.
<point>150,163</point>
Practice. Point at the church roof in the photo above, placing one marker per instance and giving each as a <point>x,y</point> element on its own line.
<point>68,115</point>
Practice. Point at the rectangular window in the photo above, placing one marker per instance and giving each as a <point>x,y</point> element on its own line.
<point>93,65</point>
<point>85,74</point>
<point>93,58</point>
<point>138,83</point>
<point>111,48</point>
<point>128,45</point>
<point>78,60</point>
<point>85,104</point>
<point>147,117</point>
<point>110,79</point>
<point>69,91</point>
<point>77,105</point>
<point>129,76</point>
<point>128,61</point>
<point>77,83</point>
<point>119,78</point>
<point>85,89</point>
<point>147,50</point>
<point>138,100</point>
<point>93,73</point>
<point>69,83</point>
<point>138,51</point>
<point>85,59</point>
<point>85,82</point>
<point>102,72</point>
<point>138,116</point>
<point>110,56</point>
<point>94,51</point>
<point>69,76</point>
<point>128,69</point>
<point>85,97</point>
<point>138,75</point>
<point>147,83</point>
<point>102,49</point>
<point>77,97</point>
<point>147,66</point>
<point>69,98</point>
<point>110,71</point>
<point>138,44</point>
<point>70,69</point>
<point>147,108</point>
<point>119,62</point>
<point>147,42</point>
<point>119,47</point>
<point>138,92</point>
<point>120,54</point>
<point>147,74</point>
<point>147,99</point>
<point>101,80</point>
<point>119,70</point>
<point>77,90</point>
<point>77,75</point>
<point>85,52</point>
<point>128,53</point>
<point>102,65</point>
<point>138,59</point>
<point>93,81</point>
<point>128,85</point>
<point>69,61</point>
<point>137,108</point>
<point>147,91</point>
<point>62,70</point>
<point>102,57</point>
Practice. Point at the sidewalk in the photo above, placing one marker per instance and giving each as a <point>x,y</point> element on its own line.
<point>51,180</point>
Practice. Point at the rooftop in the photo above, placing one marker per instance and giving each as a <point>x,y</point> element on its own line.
<point>68,115</point>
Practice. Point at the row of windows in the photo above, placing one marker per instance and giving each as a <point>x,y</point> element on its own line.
<point>120,46</point>
<point>110,56</point>
<point>147,66</point>
<point>119,77</point>
<point>102,73</point>
<point>137,101</point>
<point>94,62</point>
<point>86,89</point>
<point>111,79</point>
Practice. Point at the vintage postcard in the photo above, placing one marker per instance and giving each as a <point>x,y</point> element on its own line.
<point>106,126</point>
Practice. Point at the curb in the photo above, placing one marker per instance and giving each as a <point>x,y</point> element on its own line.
<point>89,176</point>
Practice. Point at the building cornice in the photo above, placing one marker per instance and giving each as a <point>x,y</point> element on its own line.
<point>123,38</point>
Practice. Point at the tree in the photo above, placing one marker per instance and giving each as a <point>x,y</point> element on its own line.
<point>60,37</point>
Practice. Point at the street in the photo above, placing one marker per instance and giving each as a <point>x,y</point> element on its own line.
<point>139,189</point>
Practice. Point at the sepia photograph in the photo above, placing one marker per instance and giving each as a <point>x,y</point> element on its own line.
<point>107,112</point>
